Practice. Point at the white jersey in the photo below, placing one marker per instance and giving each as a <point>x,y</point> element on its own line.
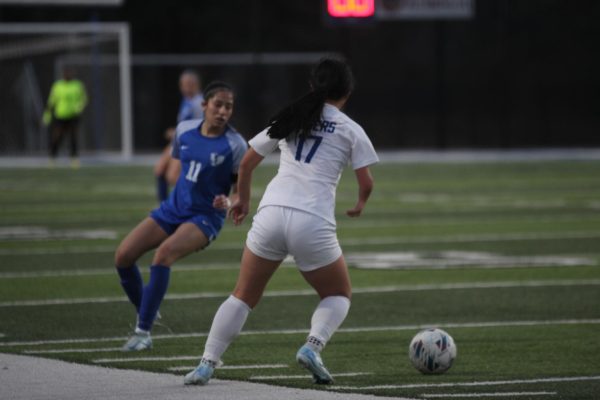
<point>310,169</point>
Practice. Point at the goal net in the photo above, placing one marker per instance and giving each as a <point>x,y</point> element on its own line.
<point>32,57</point>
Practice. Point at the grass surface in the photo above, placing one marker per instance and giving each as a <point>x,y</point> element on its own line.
<point>59,229</point>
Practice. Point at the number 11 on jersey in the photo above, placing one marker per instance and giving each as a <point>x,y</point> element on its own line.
<point>313,149</point>
<point>194,171</point>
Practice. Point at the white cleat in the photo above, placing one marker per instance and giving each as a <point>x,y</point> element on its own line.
<point>202,374</point>
<point>311,360</point>
<point>139,341</point>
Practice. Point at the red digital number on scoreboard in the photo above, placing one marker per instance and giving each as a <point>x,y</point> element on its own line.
<point>351,8</point>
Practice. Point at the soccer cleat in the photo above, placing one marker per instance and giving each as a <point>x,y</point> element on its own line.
<point>139,341</point>
<point>202,374</point>
<point>311,360</point>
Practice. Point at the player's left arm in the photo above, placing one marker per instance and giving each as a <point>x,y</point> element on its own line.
<point>365,187</point>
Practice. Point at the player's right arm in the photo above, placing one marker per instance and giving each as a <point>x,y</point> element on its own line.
<point>47,117</point>
<point>240,209</point>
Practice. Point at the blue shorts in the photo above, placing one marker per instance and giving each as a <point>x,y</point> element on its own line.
<point>169,219</point>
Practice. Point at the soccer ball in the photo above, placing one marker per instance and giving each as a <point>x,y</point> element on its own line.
<point>432,351</point>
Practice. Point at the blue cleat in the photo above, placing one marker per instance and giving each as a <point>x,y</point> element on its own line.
<point>311,360</point>
<point>139,341</point>
<point>202,374</point>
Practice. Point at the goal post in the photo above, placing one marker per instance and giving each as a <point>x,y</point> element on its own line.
<point>50,46</point>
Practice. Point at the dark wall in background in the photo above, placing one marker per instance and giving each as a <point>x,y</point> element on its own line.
<point>522,73</point>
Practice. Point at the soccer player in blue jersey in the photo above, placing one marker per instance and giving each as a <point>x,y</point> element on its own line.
<point>210,151</point>
<point>167,169</point>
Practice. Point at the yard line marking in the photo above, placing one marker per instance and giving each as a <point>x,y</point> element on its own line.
<point>37,233</point>
<point>61,351</point>
<point>310,292</point>
<point>2,335</point>
<point>305,376</point>
<point>470,238</point>
<point>349,241</point>
<point>469,384</point>
<point>111,271</point>
<point>495,394</point>
<point>490,324</point>
<point>136,359</point>
<point>457,258</point>
<point>232,367</point>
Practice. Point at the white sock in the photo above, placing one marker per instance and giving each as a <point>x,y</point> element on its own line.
<point>328,316</point>
<point>227,324</point>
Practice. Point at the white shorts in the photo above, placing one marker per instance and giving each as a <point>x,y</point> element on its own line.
<point>278,231</point>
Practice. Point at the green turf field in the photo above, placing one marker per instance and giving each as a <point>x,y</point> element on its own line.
<point>504,256</point>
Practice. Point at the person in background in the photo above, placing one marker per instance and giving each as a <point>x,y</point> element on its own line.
<point>65,105</point>
<point>167,168</point>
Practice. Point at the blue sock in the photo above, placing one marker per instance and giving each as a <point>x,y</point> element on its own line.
<point>132,283</point>
<point>154,292</point>
<point>162,188</point>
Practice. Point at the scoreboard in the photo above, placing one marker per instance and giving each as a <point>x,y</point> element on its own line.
<point>351,8</point>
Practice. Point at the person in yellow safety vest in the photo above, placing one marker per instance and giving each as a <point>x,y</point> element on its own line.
<point>66,102</point>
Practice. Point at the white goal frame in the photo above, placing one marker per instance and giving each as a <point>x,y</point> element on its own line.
<point>121,29</point>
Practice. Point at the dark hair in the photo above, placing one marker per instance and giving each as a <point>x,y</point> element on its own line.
<point>216,86</point>
<point>191,72</point>
<point>331,79</point>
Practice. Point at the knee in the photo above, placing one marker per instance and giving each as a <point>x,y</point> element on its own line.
<point>124,257</point>
<point>251,299</point>
<point>164,255</point>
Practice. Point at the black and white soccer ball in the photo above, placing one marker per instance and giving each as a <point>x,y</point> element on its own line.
<point>432,351</point>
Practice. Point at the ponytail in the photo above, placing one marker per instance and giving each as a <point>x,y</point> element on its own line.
<point>330,80</point>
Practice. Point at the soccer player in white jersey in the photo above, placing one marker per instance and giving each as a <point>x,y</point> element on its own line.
<point>210,152</point>
<point>296,215</point>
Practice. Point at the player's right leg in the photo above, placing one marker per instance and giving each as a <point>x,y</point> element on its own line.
<point>144,237</point>
<point>229,320</point>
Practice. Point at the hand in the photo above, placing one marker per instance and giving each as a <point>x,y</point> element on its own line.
<point>221,202</point>
<point>238,211</point>
<point>356,211</point>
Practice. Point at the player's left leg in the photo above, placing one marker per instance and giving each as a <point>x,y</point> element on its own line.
<point>72,131</point>
<point>332,283</point>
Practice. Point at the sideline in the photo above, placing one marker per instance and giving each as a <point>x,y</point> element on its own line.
<point>66,381</point>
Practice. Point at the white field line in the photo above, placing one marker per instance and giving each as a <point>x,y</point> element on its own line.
<point>2,335</point>
<point>489,324</point>
<point>136,359</point>
<point>310,292</point>
<point>346,242</point>
<point>111,271</point>
<point>494,394</point>
<point>474,238</point>
<point>232,367</point>
<point>65,351</point>
<point>305,376</point>
<point>470,384</point>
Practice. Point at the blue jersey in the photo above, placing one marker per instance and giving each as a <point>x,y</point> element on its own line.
<point>190,108</point>
<point>207,167</point>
